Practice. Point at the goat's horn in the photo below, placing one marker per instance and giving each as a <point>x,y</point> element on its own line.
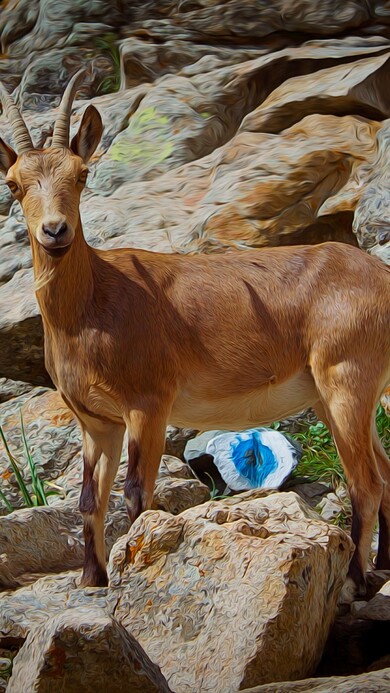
<point>22,139</point>
<point>62,125</point>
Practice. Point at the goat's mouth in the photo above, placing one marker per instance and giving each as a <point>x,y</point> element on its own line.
<point>56,250</point>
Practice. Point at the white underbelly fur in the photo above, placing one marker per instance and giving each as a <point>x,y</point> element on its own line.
<point>269,403</point>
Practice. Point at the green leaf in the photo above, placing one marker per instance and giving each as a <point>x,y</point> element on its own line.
<point>37,484</point>
<point>22,486</point>
<point>6,502</point>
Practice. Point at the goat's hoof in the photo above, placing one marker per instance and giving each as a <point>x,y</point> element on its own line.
<point>94,577</point>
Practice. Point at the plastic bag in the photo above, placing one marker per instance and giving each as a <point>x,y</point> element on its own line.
<point>256,458</point>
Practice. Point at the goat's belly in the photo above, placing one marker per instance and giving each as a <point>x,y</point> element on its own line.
<point>269,403</point>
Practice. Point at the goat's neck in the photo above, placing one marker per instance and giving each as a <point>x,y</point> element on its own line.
<point>64,286</point>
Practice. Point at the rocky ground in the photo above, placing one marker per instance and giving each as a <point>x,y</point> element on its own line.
<point>226,125</point>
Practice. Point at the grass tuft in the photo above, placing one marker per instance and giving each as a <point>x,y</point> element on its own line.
<point>33,492</point>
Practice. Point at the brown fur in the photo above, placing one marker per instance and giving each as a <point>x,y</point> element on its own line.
<point>135,340</point>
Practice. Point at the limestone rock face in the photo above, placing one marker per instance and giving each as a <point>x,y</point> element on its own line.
<point>224,128</point>
<point>79,649</point>
<point>244,590</point>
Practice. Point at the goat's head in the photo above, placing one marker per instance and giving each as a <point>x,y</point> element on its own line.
<point>48,183</point>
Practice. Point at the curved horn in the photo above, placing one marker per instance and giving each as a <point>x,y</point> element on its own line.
<point>22,139</point>
<point>61,128</point>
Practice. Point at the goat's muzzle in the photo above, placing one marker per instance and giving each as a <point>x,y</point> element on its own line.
<point>55,236</point>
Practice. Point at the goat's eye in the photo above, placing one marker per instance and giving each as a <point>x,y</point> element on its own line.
<point>12,186</point>
<point>83,176</point>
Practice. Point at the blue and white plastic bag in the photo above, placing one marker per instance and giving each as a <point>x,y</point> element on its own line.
<point>256,458</point>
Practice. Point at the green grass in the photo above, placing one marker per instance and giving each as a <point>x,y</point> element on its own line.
<point>320,461</point>
<point>108,45</point>
<point>33,492</point>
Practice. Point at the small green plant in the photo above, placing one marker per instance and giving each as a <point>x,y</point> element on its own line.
<point>108,45</point>
<point>214,495</point>
<point>320,460</point>
<point>33,494</point>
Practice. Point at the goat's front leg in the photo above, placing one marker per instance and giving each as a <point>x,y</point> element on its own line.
<point>146,445</point>
<point>102,448</point>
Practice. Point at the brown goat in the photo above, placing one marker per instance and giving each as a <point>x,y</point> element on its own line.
<point>135,339</point>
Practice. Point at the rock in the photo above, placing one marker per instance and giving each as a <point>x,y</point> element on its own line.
<point>265,565</point>
<point>353,645</point>
<point>40,540</point>
<point>177,439</point>
<point>357,89</point>
<point>375,579</point>
<point>145,61</point>
<point>335,503</point>
<point>80,647</point>
<point>21,333</point>
<point>378,608</point>
<point>312,492</point>
<point>371,217</point>
<point>256,214</point>
<point>252,568</point>
<point>196,447</point>
<point>176,488</point>
<point>49,539</point>
<point>382,663</point>
<point>330,506</point>
<point>12,388</point>
<point>376,682</point>
<point>46,597</point>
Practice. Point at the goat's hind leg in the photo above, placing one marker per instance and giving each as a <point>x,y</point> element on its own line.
<point>349,400</point>
<point>102,446</point>
<point>383,556</point>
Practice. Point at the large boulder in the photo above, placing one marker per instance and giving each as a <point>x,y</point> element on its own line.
<point>255,585</point>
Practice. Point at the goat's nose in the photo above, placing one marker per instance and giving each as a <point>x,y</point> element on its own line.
<point>55,229</point>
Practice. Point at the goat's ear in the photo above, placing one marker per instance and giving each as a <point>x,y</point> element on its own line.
<point>7,157</point>
<point>88,137</point>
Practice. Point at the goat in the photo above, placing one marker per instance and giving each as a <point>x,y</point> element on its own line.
<point>137,339</point>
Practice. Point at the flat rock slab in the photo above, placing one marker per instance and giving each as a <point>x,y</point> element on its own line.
<point>373,682</point>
